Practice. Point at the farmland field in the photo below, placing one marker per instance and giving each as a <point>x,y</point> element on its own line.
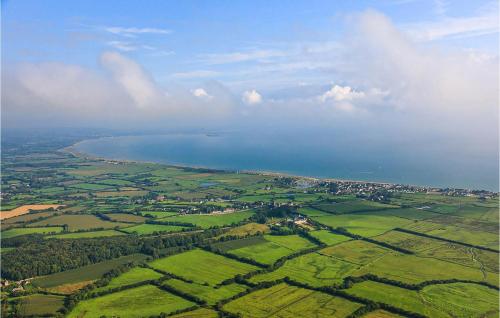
<point>136,302</point>
<point>202,267</point>
<point>287,301</point>
<point>26,209</point>
<point>133,239</point>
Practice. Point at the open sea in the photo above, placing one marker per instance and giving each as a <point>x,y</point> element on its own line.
<point>306,156</point>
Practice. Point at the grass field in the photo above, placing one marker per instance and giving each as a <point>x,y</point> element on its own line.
<point>142,301</point>
<point>135,275</point>
<point>206,221</point>
<point>364,225</point>
<point>31,230</point>
<point>198,313</point>
<point>285,301</point>
<point>381,314</point>
<point>414,269</point>
<point>40,305</point>
<point>351,206</point>
<point>202,267</point>
<point>159,214</point>
<point>85,273</point>
<point>208,293</point>
<point>356,252</point>
<point>440,301</point>
<point>313,269</point>
<point>124,217</point>
<point>77,235</point>
<point>77,222</point>
<point>247,229</point>
<point>144,229</point>
<point>272,248</point>
<point>328,237</point>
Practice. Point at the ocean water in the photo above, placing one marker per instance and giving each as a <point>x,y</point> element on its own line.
<point>315,156</point>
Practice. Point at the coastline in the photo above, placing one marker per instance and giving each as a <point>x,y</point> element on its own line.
<point>73,151</point>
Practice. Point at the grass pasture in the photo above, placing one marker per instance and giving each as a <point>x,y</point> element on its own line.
<point>126,217</point>
<point>364,225</point>
<point>208,293</point>
<point>328,237</point>
<point>206,221</point>
<point>285,301</point>
<point>356,252</point>
<point>351,206</point>
<point>158,214</point>
<point>273,248</point>
<point>77,222</point>
<point>440,301</point>
<point>85,273</point>
<point>31,230</point>
<point>247,229</point>
<point>37,305</point>
<point>135,275</point>
<point>141,301</point>
<point>202,267</point>
<point>198,313</point>
<point>313,269</point>
<point>145,229</point>
<point>77,235</point>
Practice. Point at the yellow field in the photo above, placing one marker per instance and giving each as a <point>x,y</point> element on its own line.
<point>25,209</point>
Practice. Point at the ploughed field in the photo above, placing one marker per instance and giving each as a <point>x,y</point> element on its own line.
<point>91,238</point>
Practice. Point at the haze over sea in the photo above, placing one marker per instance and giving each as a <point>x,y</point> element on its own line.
<point>306,155</point>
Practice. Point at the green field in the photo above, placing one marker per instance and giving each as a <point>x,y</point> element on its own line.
<point>77,235</point>
<point>77,222</point>
<point>362,224</point>
<point>272,248</point>
<point>351,206</point>
<point>440,301</point>
<point>158,214</point>
<point>206,221</point>
<point>328,237</point>
<point>287,301</point>
<point>144,229</point>
<point>356,252</point>
<point>86,273</point>
<point>198,313</point>
<point>141,301</point>
<point>135,275</point>
<point>125,217</point>
<point>40,305</point>
<point>202,267</point>
<point>208,293</point>
<point>31,230</point>
<point>314,269</point>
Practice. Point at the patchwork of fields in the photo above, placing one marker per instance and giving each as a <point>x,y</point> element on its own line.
<point>115,239</point>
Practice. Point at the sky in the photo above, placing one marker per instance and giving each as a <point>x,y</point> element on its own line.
<point>404,70</point>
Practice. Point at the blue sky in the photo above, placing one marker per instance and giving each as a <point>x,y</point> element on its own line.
<point>187,42</point>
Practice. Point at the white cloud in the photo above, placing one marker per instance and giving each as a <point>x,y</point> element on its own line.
<point>251,97</point>
<point>341,93</point>
<point>133,31</point>
<point>123,46</point>
<point>201,93</point>
<point>136,82</point>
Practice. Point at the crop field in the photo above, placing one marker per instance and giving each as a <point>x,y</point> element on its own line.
<point>272,248</point>
<point>110,208</point>
<point>135,275</point>
<point>125,217</point>
<point>77,222</point>
<point>328,237</point>
<point>364,225</point>
<point>313,269</point>
<point>206,221</point>
<point>413,269</point>
<point>440,301</point>
<point>26,209</point>
<point>86,273</point>
<point>31,230</point>
<point>77,235</point>
<point>40,305</point>
<point>202,267</point>
<point>144,229</point>
<point>208,293</point>
<point>287,301</point>
<point>141,301</point>
<point>356,252</point>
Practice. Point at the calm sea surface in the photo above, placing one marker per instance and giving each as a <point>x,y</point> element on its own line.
<point>305,156</point>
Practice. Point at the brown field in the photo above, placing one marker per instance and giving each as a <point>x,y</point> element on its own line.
<point>25,209</point>
<point>69,288</point>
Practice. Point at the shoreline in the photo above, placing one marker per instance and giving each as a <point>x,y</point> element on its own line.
<point>73,151</point>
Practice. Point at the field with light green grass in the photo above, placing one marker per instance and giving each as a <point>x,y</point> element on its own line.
<point>210,294</point>
<point>134,275</point>
<point>206,221</point>
<point>144,229</point>
<point>31,230</point>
